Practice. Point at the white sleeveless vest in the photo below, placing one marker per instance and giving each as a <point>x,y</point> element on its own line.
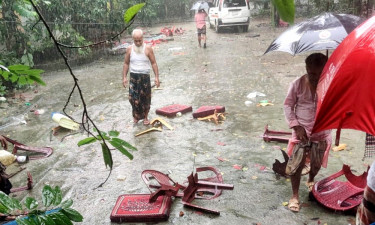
<point>139,62</point>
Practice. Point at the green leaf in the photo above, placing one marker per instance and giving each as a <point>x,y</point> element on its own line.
<point>37,79</point>
<point>58,195</point>
<point>13,77</point>
<point>86,141</point>
<point>35,72</point>
<point>67,203</point>
<point>125,144</point>
<point>113,133</point>
<point>73,215</point>
<point>63,217</point>
<point>6,201</point>
<point>18,67</point>
<point>16,204</point>
<point>105,137</point>
<point>132,11</point>
<point>48,196</point>
<point>3,209</point>
<point>107,156</point>
<point>47,219</point>
<point>31,203</point>
<point>119,147</point>
<point>6,75</point>
<point>22,80</point>
<point>286,9</point>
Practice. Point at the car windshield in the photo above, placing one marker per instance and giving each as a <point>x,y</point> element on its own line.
<point>234,3</point>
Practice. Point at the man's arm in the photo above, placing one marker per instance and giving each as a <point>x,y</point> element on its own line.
<point>125,68</point>
<point>3,142</point>
<point>290,115</point>
<point>154,65</point>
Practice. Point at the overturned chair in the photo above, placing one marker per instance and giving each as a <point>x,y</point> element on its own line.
<point>341,195</point>
<point>207,188</point>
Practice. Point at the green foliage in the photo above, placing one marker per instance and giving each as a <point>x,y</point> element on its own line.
<point>22,75</point>
<point>60,213</point>
<point>112,137</point>
<point>132,11</point>
<point>286,9</point>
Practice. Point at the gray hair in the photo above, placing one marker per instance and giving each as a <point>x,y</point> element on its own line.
<point>137,31</point>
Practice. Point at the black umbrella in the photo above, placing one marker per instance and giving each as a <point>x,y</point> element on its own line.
<point>322,32</point>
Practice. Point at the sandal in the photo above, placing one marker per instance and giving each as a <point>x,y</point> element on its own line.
<point>310,185</point>
<point>293,205</point>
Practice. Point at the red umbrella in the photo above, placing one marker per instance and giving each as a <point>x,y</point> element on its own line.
<point>346,89</point>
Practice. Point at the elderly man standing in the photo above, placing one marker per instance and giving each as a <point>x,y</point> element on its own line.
<point>300,108</point>
<point>139,58</point>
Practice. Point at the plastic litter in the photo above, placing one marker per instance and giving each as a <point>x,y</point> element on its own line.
<point>2,99</point>
<point>248,103</point>
<point>175,49</point>
<point>39,111</point>
<point>255,94</point>
<point>7,158</point>
<point>64,121</point>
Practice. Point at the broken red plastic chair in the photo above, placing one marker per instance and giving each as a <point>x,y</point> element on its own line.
<point>47,151</point>
<point>194,185</point>
<point>28,186</point>
<point>280,136</point>
<point>341,195</point>
<point>165,185</point>
<point>172,110</point>
<point>204,111</point>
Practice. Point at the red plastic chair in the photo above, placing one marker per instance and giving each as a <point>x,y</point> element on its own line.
<point>341,195</point>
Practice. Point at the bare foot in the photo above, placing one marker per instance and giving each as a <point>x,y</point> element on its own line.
<point>146,122</point>
<point>135,120</point>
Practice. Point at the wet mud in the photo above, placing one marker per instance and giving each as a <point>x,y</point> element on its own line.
<point>225,73</point>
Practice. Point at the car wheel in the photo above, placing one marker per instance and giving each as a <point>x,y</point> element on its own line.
<point>217,28</point>
<point>209,22</point>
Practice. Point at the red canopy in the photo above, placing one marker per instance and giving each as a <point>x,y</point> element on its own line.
<point>346,89</point>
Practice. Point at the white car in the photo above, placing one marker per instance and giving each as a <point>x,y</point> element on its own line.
<point>229,13</point>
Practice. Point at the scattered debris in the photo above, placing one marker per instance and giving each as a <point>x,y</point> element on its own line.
<point>264,103</point>
<point>159,122</point>
<point>65,121</point>
<point>255,94</point>
<point>216,117</point>
<point>221,143</point>
<point>149,130</point>
<point>339,148</point>
<point>237,167</point>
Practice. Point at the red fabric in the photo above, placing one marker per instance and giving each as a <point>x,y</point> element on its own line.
<point>347,83</point>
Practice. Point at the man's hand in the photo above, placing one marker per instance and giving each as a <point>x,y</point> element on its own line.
<point>301,134</point>
<point>4,142</point>
<point>157,83</point>
<point>124,82</point>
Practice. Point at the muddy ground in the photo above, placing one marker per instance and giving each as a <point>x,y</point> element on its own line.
<point>232,66</point>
